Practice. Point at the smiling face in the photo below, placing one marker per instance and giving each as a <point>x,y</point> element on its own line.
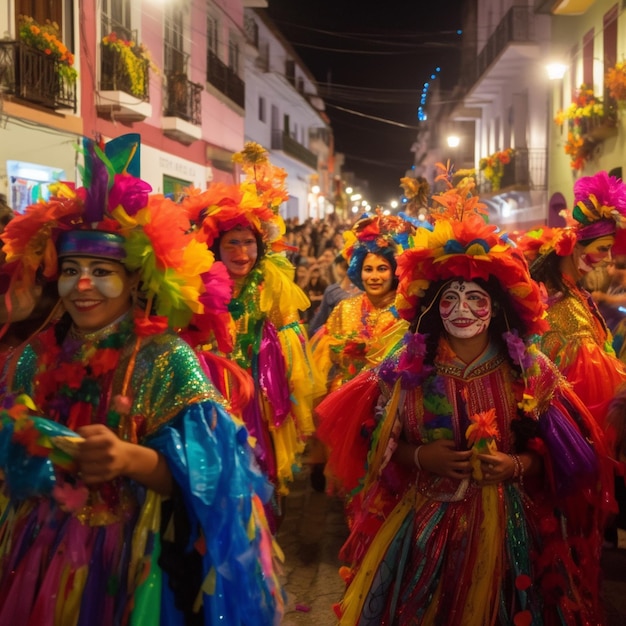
<point>594,253</point>
<point>94,291</point>
<point>239,251</point>
<point>465,309</point>
<point>377,275</point>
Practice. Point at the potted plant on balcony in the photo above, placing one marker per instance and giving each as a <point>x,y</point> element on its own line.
<point>589,122</point>
<point>135,60</point>
<point>46,38</point>
<point>492,166</point>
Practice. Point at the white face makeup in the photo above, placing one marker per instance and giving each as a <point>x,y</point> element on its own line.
<point>594,253</point>
<point>465,309</point>
<point>74,274</point>
<point>94,291</point>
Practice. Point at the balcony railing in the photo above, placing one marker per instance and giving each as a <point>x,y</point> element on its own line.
<point>33,76</point>
<point>115,77</point>
<point>183,99</point>
<point>224,79</point>
<point>517,26</point>
<point>282,140</point>
<point>526,170</point>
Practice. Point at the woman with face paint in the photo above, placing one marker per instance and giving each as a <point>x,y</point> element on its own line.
<point>362,330</point>
<point>459,446</point>
<point>124,475</point>
<point>579,341</point>
<point>242,226</point>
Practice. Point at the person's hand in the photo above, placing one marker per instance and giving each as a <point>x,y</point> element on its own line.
<point>102,456</point>
<point>496,467</point>
<point>441,457</point>
<point>598,296</point>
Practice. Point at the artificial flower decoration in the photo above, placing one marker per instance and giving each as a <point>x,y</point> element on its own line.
<point>469,249</point>
<point>157,245</point>
<point>459,200</point>
<point>481,435</point>
<point>385,235</point>
<point>254,203</point>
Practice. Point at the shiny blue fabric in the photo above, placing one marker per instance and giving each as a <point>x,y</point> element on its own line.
<point>212,463</point>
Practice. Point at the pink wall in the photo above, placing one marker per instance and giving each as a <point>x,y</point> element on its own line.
<point>221,126</point>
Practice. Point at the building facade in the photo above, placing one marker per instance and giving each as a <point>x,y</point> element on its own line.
<point>175,73</point>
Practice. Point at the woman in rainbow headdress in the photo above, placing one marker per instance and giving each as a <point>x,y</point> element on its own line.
<point>129,494</point>
<point>459,447</point>
<point>242,226</point>
<point>578,340</point>
<point>364,329</point>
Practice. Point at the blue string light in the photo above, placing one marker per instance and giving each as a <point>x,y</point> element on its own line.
<point>421,113</point>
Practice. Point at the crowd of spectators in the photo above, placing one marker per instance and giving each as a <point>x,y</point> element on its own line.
<point>316,246</point>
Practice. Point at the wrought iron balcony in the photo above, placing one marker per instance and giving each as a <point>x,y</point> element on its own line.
<point>282,140</point>
<point>183,99</point>
<point>516,27</point>
<point>114,75</point>
<point>525,171</point>
<point>224,79</point>
<point>33,76</point>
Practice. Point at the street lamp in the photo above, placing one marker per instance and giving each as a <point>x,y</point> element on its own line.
<point>556,71</point>
<point>453,141</point>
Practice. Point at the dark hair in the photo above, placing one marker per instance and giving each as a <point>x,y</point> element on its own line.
<point>546,269</point>
<point>260,244</point>
<point>505,317</point>
<point>355,267</point>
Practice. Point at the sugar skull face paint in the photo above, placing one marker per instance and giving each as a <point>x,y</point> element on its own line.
<point>594,253</point>
<point>465,309</point>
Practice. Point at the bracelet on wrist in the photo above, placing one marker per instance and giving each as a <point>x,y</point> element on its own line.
<point>416,458</point>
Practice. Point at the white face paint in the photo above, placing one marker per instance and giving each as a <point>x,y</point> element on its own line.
<point>102,276</point>
<point>94,291</point>
<point>465,309</point>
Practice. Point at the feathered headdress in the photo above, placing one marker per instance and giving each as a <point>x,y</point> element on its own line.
<point>600,205</point>
<point>152,231</point>
<point>377,233</point>
<point>253,204</point>
<point>467,249</point>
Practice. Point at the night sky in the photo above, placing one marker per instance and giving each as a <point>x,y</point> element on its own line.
<point>373,58</point>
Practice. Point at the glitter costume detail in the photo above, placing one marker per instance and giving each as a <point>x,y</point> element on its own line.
<point>120,526</point>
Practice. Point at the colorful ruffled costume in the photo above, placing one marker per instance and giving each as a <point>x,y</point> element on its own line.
<point>357,334</point>
<point>119,553</point>
<point>269,342</point>
<point>432,550</point>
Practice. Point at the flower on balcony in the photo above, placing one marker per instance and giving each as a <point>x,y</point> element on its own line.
<point>585,113</point>
<point>47,38</point>
<point>615,81</point>
<point>585,105</point>
<point>492,166</point>
<point>135,59</point>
